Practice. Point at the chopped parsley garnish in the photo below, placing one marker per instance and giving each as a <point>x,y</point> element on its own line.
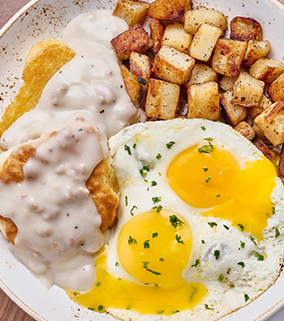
<point>144,170</point>
<point>162,259</point>
<point>157,208</point>
<point>242,244</point>
<point>98,283</point>
<point>273,209</point>
<point>260,257</point>
<point>208,179</point>
<point>226,227</point>
<point>209,139</point>
<point>127,148</point>
<point>92,309</point>
<point>250,137</point>
<point>178,239</point>
<point>229,271</point>
<point>156,199</point>
<point>116,264</point>
<point>170,144</point>
<point>203,128</point>
<point>159,156</point>
<point>253,240</point>
<point>246,297</point>
<point>197,262</point>
<point>205,169</point>
<point>100,307</point>
<point>146,244</point>
<point>175,221</point>
<point>242,264</point>
<point>241,227</point>
<point>133,208</point>
<point>134,145</point>
<point>220,278</point>
<point>277,233</point>
<point>212,224</point>
<point>192,294</point>
<point>206,148</point>
<point>217,254</point>
<point>126,200</point>
<point>218,195</point>
<point>154,234</point>
<point>154,183</point>
<point>131,240</point>
<point>207,307</point>
<point>145,266</point>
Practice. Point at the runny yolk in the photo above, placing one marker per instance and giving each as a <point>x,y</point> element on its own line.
<point>209,177</point>
<point>154,248</point>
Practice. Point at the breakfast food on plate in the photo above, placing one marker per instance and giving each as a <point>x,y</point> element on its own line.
<point>144,176</point>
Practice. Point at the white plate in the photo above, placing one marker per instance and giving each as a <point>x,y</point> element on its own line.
<point>45,19</point>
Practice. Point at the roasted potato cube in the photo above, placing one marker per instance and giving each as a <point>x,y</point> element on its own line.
<point>226,82</point>
<point>203,101</point>
<point>246,130</point>
<point>167,10</point>
<point>267,69</point>
<point>268,153</point>
<point>245,29</point>
<point>195,18</point>
<point>281,164</point>
<point>259,133</point>
<point>156,31</point>
<point>247,90</point>
<point>233,114</point>
<point>204,41</point>
<point>175,36</point>
<point>162,99</point>
<point>131,85</point>
<point>140,65</point>
<point>263,103</point>
<point>271,122</point>
<point>172,65</point>
<point>132,11</point>
<point>255,50</point>
<point>228,56</point>
<point>202,73</point>
<point>133,39</point>
<point>276,89</point>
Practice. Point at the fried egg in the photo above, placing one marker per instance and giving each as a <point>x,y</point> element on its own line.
<point>200,228</point>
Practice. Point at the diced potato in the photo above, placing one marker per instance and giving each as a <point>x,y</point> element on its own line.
<point>202,73</point>
<point>156,31</point>
<point>268,153</point>
<point>271,122</point>
<point>132,11</point>
<point>267,69</point>
<point>133,39</point>
<point>167,10</point>
<point>131,85</point>
<point>259,133</point>
<point>276,89</point>
<point>263,103</point>
<point>255,50</point>
<point>228,56</point>
<point>247,90</point>
<point>246,130</point>
<point>194,18</point>
<point>172,65</point>
<point>226,82</point>
<point>233,114</point>
<point>162,99</point>
<point>281,164</point>
<point>140,65</point>
<point>203,101</point>
<point>175,36</point>
<point>204,41</point>
<point>245,29</point>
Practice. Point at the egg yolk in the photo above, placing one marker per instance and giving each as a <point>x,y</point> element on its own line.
<point>205,176</point>
<point>154,248</point>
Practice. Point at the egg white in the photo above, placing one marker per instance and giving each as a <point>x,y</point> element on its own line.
<point>137,146</point>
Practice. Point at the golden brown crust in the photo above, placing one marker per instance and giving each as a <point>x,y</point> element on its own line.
<point>9,228</point>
